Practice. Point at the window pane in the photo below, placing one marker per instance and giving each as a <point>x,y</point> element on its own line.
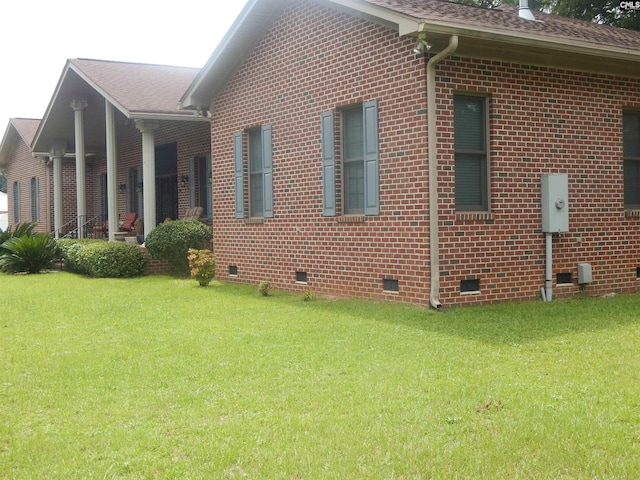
<point>257,195</point>
<point>469,123</point>
<point>354,180</point>
<point>631,136</point>
<point>255,151</point>
<point>256,187</point>
<point>353,160</point>
<point>469,180</point>
<point>632,182</point>
<point>353,133</point>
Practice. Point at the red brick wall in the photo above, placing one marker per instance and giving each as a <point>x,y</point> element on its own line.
<point>313,60</point>
<point>542,121</point>
<point>22,168</point>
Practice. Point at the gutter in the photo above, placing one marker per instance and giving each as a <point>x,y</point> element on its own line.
<point>432,138</point>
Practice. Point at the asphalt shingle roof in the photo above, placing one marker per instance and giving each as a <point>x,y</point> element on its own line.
<point>26,128</point>
<point>505,18</point>
<point>139,87</point>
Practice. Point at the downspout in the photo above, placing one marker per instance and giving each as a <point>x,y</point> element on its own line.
<point>432,138</point>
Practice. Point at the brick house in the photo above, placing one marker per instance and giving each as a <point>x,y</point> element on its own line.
<point>27,178</point>
<point>113,140</point>
<point>397,149</point>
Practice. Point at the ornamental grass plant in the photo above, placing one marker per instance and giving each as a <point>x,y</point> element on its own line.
<point>155,377</point>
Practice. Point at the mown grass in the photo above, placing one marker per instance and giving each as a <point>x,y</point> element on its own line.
<point>159,378</point>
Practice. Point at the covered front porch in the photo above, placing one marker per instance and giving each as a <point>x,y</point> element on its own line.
<point>117,144</point>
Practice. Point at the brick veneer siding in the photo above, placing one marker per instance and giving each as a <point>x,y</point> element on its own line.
<point>542,121</point>
<point>22,168</point>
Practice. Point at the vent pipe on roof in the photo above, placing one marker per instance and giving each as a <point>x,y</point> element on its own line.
<point>524,11</point>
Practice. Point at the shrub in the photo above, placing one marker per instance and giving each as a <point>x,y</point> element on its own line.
<point>110,259</point>
<point>29,253</point>
<point>202,265</point>
<point>69,250</point>
<point>21,230</point>
<point>309,295</point>
<point>171,241</point>
<point>265,288</point>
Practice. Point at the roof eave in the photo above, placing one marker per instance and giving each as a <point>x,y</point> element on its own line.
<point>531,40</point>
<point>236,44</point>
<point>52,101</point>
<point>183,117</point>
<point>6,145</point>
<point>252,23</point>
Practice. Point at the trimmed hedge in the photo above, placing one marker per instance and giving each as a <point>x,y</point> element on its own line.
<point>171,241</point>
<point>101,259</point>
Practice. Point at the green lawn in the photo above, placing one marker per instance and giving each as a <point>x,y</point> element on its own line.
<point>159,378</point>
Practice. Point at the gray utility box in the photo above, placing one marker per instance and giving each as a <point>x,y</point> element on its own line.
<point>555,203</point>
<point>584,273</point>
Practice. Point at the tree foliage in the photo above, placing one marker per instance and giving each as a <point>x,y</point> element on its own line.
<point>599,11</point>
<point>606,12</point>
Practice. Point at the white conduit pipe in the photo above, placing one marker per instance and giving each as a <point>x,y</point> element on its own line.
<point>432,139</point>
<point>547,293</point>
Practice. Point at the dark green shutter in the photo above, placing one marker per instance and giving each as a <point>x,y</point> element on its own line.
<point>238,174</point>
<point>267,171</point>
<point>328,165</point>
<point>371,158</point>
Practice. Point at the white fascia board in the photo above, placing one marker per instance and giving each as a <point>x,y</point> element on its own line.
<point>404,24</point>
<point>186,117</point>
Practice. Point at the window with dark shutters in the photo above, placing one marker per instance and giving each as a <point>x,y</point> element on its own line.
<point>360,161</point>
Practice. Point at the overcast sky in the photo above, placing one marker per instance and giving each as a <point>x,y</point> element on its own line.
<point>38,36</point>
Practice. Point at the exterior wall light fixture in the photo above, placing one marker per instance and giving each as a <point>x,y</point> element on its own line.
<point>422,46</point>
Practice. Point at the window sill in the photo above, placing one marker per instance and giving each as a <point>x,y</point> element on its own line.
<point>632,213</point>
<point>253,221</point>
<point>351,219</point>
<point>474,216</point>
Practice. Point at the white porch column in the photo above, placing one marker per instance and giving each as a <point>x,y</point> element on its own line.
<point>148,128</point>
<point>112,170</point>
<point>57,153</point>
<point>78,106</point>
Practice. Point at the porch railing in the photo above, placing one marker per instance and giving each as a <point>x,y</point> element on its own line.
<point>84,227</point>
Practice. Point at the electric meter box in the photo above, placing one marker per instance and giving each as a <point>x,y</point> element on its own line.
<point>555,203</point>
